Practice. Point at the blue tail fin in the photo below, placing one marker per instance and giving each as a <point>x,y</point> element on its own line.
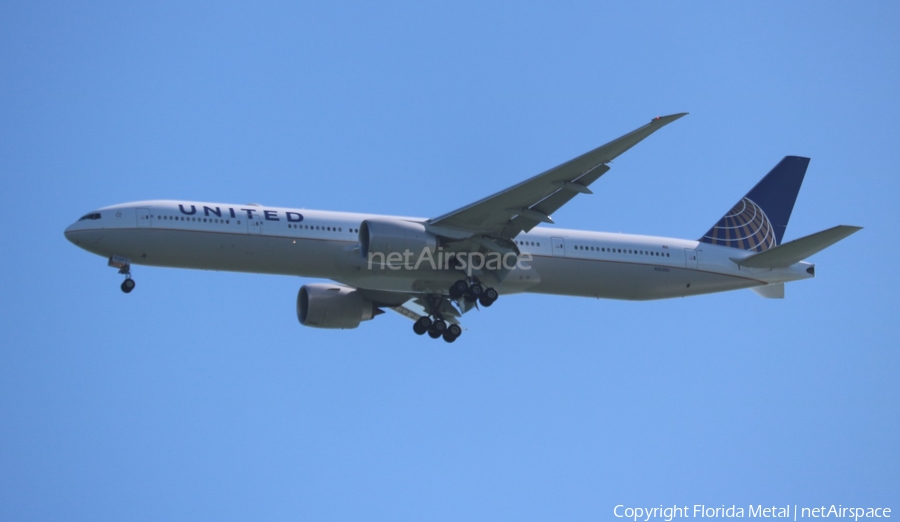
<point>759,219</point>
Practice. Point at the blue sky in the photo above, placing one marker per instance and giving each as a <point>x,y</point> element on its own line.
<point>199,396</point>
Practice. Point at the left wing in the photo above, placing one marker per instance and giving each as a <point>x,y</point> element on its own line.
<point>415,305</point>
<point>424,306</point>
<point>521,207</point>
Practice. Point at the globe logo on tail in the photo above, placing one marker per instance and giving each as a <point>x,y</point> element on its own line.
<point>745,226</point>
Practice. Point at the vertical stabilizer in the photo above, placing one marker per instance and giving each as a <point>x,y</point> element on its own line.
<point>758,221</point>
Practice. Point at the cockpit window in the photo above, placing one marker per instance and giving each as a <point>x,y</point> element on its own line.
<point>95,215</point>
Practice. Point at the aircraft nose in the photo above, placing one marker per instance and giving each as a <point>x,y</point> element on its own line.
<point>78,231</point>
<point>85,229</point>
<point>70,234</point>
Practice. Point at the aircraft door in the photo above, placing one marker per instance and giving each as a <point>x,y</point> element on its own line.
<point>690,258</point>
<point>559,246</point>
<point>255,225</point>
<point>143,218</point>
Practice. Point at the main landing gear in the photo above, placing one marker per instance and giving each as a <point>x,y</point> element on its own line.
<point>475,291</point>
<point>437,328</point>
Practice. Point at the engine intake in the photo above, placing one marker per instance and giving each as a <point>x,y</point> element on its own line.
<point>385,236</point>
<point>333,306</point>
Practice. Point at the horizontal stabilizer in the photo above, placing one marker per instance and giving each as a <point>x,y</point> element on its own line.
<point>773,291</point>
<point>797,250</point>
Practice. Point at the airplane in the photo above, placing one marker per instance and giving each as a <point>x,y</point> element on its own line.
<point>435,270</point>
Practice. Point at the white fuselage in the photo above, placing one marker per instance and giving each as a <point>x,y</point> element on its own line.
<point>321,244</point>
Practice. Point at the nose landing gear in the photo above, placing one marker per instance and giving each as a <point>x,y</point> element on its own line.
<point>124,266</point>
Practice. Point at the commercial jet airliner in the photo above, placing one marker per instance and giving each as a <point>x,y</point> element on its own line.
<point>435,270</point>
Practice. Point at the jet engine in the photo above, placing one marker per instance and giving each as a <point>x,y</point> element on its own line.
<point>386,236</point>
<point>333,306</point>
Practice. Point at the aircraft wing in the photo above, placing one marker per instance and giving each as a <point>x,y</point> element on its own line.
<point>413,305</point>
<point>521,207</point>
<point>415,308</point>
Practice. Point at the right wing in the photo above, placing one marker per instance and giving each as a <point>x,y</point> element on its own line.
<point>521,207</point>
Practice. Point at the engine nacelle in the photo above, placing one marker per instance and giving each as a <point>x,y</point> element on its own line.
<point>333,306</point>
<point>385,236</point>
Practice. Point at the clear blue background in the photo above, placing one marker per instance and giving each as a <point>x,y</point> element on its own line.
<point>199,396</point>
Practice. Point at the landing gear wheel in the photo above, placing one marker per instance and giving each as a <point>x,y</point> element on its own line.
<point>421,325</point>
<point>438,327</point>
<point>128,285</point>
<point>488,297</point>
<point>458,289</point>
<point>452,333</point>
<point>474,292</point>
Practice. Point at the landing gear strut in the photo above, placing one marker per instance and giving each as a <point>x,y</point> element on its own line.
<point>124,266</point>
